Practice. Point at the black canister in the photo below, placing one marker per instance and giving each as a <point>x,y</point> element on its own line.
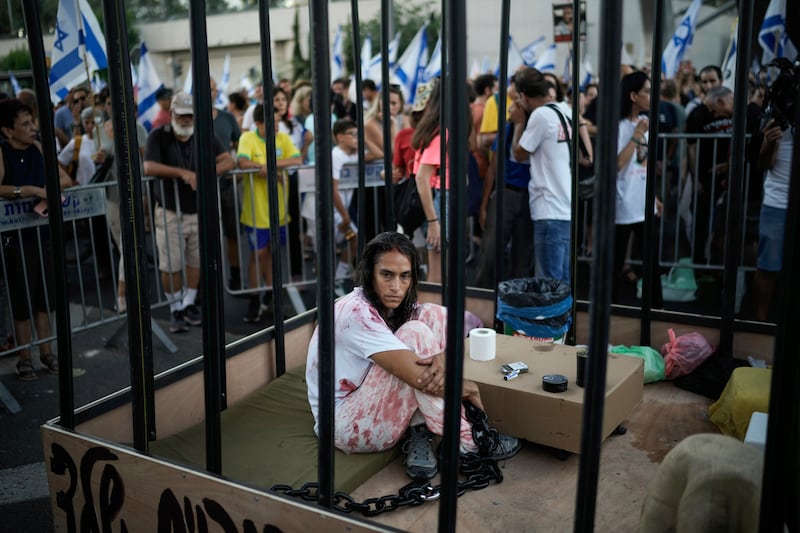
<point>581,356</point>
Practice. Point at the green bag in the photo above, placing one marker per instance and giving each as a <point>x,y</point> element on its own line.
<point>654,368</point>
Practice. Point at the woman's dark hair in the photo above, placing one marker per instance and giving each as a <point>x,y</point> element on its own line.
<point>285,117</point>
<point>10,108</point>
<point>365,275</point>
<point>428,126</point>
<point>632,83</point>
<point>238,101</point>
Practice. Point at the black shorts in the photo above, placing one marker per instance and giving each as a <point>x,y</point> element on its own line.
<point>28,272</point>
<point>230,212</point>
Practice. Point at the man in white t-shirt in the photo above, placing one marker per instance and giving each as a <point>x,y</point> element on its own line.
<point>389,364</point>
<point>776,156</point>
<point>545,142</point>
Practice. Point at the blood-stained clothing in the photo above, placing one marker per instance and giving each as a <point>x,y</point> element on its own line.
<point>373,407</point>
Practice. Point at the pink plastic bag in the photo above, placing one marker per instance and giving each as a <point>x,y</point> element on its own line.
<point>685,353</point>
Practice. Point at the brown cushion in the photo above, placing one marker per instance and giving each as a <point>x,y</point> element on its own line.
<point>268,438</point>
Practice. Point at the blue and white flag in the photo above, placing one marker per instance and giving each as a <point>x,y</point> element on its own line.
<point>78,44</point>
<point>566,77</point>
<point>434,67</point>
<point>530,51</point>
<point>546,62</point>
<point>515,59</point>
<point>14,83</point>
<point>772,37</point>
<point>222,85</point>
<point>474,69</point>
<point>337,55</point>
<point>681,41</point>
<point>97,84</point>
<point>729,62</point>
<point>412,63</point>
<point>149,84</point>
<point>366,56</point>
<point>375,72</point>
<point>587,71</point>
<point>486,65</point>
<point>187,82</point>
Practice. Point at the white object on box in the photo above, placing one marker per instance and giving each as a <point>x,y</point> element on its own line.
<point>757,430</point>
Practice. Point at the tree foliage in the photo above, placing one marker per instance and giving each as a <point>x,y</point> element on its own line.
<point>408,19</point>
<point>301,67</point>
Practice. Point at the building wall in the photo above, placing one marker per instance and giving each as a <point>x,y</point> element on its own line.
<point>237,34</point>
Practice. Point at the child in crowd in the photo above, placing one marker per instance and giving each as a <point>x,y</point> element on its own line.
<point>255,206</point>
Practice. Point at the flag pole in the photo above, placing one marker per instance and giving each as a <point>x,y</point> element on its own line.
<point>85,58</point>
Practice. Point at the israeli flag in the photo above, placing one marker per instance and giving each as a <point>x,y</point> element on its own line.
<point>474,69</point>
<point>97,84</point>
<point>532,49</point>
<point>222,85</point>
<point>187,82</point>
<point>434,67</point>
<point>411,64</point>
<point>567,76</point>
<point>374,72</point>
<point>337,57</point>
<point>515,59</point>
<point>366,56</point>
<point>78,44</point>
<point>546,62</point>
<point>772,36</point>
<point>14,83</point>
<point>586,71</point>
<point>681,41</point>
<point>149,84</point>
<point>729,62</point>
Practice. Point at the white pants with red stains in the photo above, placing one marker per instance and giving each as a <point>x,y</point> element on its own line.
<point>376,415</point>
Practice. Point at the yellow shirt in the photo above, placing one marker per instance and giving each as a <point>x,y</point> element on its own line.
<point>489,120</point>
<point>255,202</point>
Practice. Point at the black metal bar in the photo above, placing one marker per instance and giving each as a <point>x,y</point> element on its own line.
<point>602,269</point>
<point>131,211</point>
<point>55,216</point>
<point>272,187</point>
<point>321,73</point>
<point>500,156</point>
<point>575,161</point>
<point>386,120</point>
<point>733,232</point>
<point>445,89</point>
<point>781,481</point>
<point>210,253</point>
<point>651,255</point>
<point>361,195</point>
<point>457,117</point>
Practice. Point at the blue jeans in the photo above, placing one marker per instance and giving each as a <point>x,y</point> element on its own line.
<point>551,248</point>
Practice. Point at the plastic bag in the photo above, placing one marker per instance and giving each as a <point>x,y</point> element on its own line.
<point>533,292</point>
<point>685,353</point>
<point>653,362</point>
<point>537,307</point>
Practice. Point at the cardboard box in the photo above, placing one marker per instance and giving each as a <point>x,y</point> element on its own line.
<point>522,408</point>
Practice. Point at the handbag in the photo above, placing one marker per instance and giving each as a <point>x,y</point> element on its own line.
<point>408,206</point>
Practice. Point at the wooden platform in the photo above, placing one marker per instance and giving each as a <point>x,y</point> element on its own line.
<point>539,490</point>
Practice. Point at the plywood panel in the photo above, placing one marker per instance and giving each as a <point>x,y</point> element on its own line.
<point>97,486</point>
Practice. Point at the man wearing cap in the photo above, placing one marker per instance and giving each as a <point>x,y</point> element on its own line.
<point>170,156</point>
<point>164,100</point>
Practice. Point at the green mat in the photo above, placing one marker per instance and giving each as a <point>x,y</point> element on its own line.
<point>268,438</point>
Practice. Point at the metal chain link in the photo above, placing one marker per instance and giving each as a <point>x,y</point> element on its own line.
<point>480,469</point>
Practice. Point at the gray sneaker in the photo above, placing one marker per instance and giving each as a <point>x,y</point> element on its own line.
<point>505,447</point>
<point>421,460</point>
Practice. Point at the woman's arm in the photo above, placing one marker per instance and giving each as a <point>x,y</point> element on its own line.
<point>423,178</point>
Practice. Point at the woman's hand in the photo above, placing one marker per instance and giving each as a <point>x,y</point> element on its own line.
<point>434,237</point>
<point>472,394</point>
<point>431,381</point>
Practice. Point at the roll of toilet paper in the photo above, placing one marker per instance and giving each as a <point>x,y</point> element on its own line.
<point>482,344</point>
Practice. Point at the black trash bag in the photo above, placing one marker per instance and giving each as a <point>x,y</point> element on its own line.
<point>709,379</point>
<point>533,292</point>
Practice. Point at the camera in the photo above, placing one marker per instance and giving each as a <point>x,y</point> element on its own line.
<point>779,102</point>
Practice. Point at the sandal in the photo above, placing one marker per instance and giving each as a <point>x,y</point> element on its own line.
<point>25,371</point>
<point>50,362</point>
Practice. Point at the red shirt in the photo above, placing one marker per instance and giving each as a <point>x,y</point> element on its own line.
<point>403,152</point>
